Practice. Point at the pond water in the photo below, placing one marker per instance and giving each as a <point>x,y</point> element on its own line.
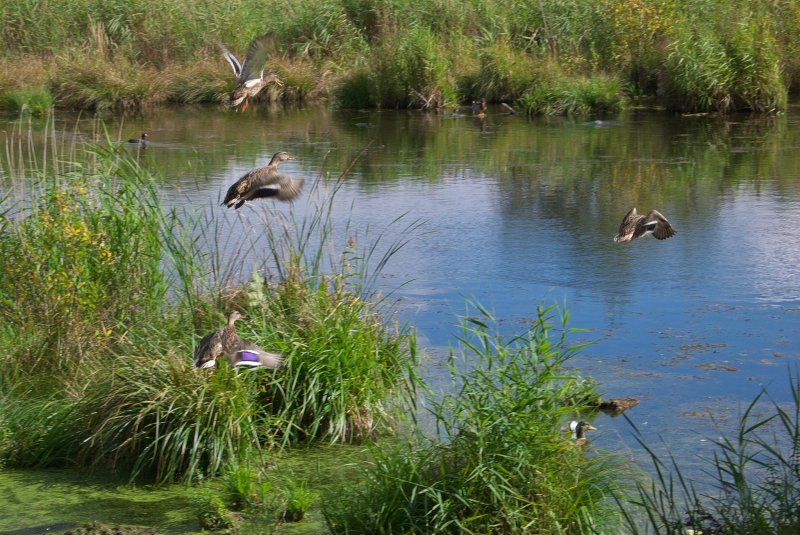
<point>518,213</point>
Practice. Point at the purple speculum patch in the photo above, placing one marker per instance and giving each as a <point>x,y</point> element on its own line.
<point>248,356</point>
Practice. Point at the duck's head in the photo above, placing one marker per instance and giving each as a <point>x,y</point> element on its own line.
<point>281,156</point>
<point>233,316</point>
<point>272,78</point>
<point>579,428</point>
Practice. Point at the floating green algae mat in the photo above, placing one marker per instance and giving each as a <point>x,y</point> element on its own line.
<point>55,500</point>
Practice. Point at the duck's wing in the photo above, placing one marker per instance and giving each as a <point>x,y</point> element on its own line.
<point>659,225</point>
<point>235,65</point>
<point>626,228</point>
<point>256,58</point>
<point>237,190</point>
<point>246,353</point>
<point>208,350</point>
<point>272,184</point>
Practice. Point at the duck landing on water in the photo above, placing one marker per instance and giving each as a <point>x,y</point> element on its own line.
<point>262,183</point>
<point>635,226</point>
<point>228,344</point>
<point>248,82</point>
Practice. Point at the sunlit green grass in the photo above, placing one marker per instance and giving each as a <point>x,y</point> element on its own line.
<point>104,295</point>
<point>689,56</point>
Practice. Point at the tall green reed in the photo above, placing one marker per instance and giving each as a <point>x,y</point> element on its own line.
<point>753,481</point>
<point>498,463</point>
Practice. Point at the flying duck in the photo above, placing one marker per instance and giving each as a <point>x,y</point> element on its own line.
<point>264,182</point>
<point>240,352</point>
<point>634,226</point>
<point>250,79</point>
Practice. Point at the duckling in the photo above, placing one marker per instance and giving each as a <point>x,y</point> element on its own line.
<point>634,226</point>
<point>264,182</point>
<point>240,352</point>
<point>578,429</point>
<point>248,84</point>
<point>141,140</point>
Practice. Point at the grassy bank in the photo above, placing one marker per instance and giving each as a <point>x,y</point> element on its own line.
<point>545,57</point>
<point>104,293</point>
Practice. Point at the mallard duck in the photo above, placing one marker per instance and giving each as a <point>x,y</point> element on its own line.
<point>634,226</point>
<point>239,352</point>
<point>578,429</point>
<point>615,407</point>
<point>479,108</point>
<point>264,182</point>
<point>248,83</point>
<point>141,140</point>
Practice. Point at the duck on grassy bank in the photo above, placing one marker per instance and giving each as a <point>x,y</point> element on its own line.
<point>227,343</point>
<point>635,226</point>
<point>264,182</point>
<point>248,82</point>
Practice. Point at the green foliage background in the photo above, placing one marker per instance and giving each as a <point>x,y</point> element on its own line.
<point>548,56</point>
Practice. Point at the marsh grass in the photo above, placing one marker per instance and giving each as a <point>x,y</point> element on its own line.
<point>498,463</point>
<point>397,54</point>
<point>753,480</point>
<point>104,294</point>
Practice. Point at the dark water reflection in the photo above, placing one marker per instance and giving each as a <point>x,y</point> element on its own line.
<point>521,213</point>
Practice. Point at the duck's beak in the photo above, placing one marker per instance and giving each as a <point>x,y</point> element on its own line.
<point>589,427</point>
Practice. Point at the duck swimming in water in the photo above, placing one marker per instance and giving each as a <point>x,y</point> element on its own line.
<point>264,182</point>
<point>635,226</point>
<point>578,429</point>
<point>226,343</point>
<point>250,79</point>
<point>141,140</point>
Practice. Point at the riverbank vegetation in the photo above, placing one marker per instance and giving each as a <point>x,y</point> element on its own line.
<point>547,57</point>
<point>104,294</point>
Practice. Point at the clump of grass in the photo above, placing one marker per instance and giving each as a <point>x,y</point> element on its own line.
<point>357,89</point>
<point>562,95</point>
<point>413,70</point>
<point>299,498</point>
<point>345,362</point>
<point>498,464</point>
<point>212,512</point>
<point>246,488</point>
<point>79,263</point>
<point>93,81</point>
<point>34,100</point>
<point>755,481</point>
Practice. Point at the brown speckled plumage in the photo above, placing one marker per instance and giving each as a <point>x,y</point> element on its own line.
<point>227,343</point>
<point>634,226</point>
<point>264,182</point>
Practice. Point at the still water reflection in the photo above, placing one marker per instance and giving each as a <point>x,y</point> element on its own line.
<point>520,213</point>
